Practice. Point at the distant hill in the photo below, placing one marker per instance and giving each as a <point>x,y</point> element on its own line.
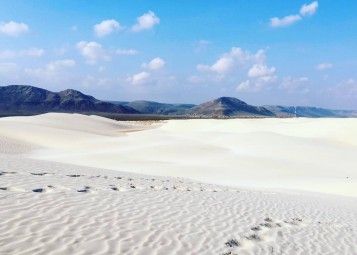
<point>311,112</point>
<point>23,99</point>
<point>118,102</point>
<point>228,107</point>
<point>29,100</point>
<point>148,107</point>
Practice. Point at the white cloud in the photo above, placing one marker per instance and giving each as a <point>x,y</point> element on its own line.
<point>324,66</point>
<point>259,70</point>
<point>92,52</point>
<point>309,9</point>
<point>155,64</point>
<point>244,57</point>
<point>351,81</point>
<point>203,68</point>
<point>267,79</point>
<point>139,78</point>
<point>6,68</point>
<point>236,57</point>
<point>62,50</point>
<point>284,22</point>
<point>32,52</point>
<point>13,28</point>
<point>201,45</point>
<point>204,79</point>
<point>11,73</point>
<point>306,9</point>
<point>294,85</point>
<point>146,21</point>
<point>260,76</point>
<point>91,81</point>
<point>244,86</point>
<point>126,52</point>
<point>233,65</point>
<point>58,64</point>
<point>257,84</point>
<point>106,27</point>
<point>53,72</point>
<point>346,89</point>
<point>195,79</point>
<point>222,65</point>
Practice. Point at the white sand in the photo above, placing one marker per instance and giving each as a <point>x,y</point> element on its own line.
<point>83,210</point>
<point>303,154</point>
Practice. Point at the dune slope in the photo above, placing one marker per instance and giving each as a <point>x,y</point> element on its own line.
<point>304,154</point>
<point>49,207</point>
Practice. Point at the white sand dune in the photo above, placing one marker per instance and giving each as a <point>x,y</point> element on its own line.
<point>304,154</point>
<point>55,130</point>
<point>53,202</point>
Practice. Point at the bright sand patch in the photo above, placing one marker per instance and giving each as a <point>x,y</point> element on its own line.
<point>48,207</point>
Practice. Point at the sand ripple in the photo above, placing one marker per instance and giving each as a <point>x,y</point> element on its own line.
<point>121,213</point>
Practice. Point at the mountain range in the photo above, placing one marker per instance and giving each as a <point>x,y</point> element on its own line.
<point>29,100</point>
<point>229,107</point>
<point>148,107</point>
<point>309,112</point>
<point>22,99</point>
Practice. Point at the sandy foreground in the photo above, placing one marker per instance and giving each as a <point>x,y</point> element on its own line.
<point>74,184</point>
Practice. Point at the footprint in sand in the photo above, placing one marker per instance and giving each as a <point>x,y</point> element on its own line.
<point>257,228</point>
<point>96,176</point>
<point>43,190</point>
<point>263,229</point>
<point>255,237</point>
<point>85,189</point>
<point>38,190</point>
<point>115,188</point>
<point>294,221</point>
<point>232,243</point>
<point>156,187</point>
<point>268,223</point>
<point>73,175</point>
<point>40,174</point>
<point>6,173</point>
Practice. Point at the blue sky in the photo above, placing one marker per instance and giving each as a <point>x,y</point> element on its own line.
<point>262,52</point>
